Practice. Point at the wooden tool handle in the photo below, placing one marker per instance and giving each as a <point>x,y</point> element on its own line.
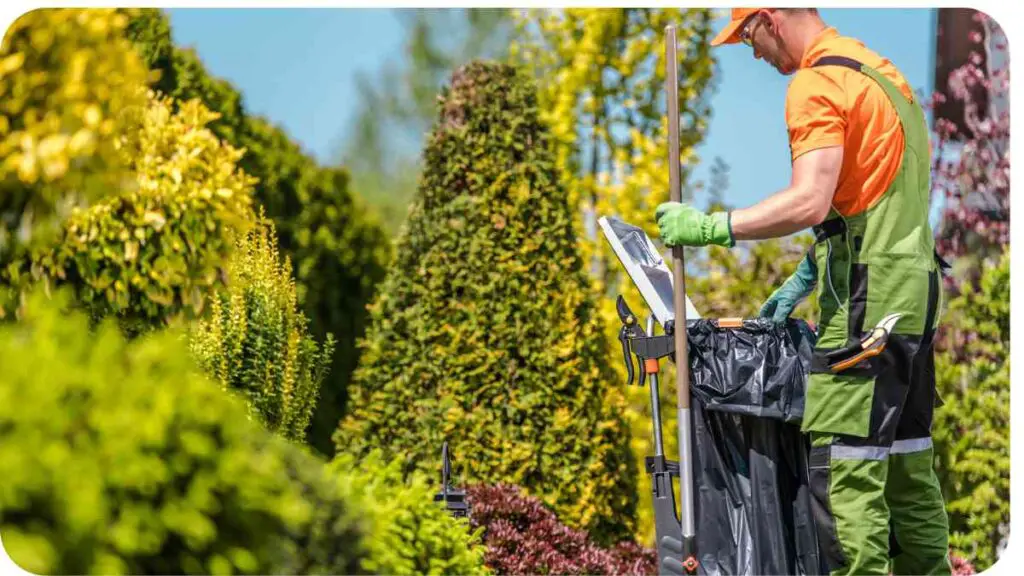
<point>675,194</point>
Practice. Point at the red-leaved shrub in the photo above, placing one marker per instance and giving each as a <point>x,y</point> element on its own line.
<point>962,567</point>
<point>525,537</point>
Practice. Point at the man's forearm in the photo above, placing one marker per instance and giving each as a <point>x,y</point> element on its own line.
<point>787,212</point>
<point>804,204</point>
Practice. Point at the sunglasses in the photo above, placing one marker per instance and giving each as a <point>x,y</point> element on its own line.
<point>747,30</point>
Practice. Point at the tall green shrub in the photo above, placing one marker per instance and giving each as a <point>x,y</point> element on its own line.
<point>972,428</point>
<point>338,248</point>
<point>151,252</point>
<point>255,340</point>
<point>122,458</point>
<point>484,333</point>
<point>407,532</point>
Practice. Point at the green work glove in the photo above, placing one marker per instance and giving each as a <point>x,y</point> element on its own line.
<point>797,287</point>
<point>684,225</point>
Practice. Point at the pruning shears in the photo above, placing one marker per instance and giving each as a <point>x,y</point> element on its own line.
<point>648,349</point>
<point>869,346</point>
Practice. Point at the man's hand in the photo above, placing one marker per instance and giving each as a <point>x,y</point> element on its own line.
<point>684,225</point>
<point>797,287</point>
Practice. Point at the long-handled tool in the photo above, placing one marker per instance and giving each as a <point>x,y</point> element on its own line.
<point>649,349</point>
<point>689,551</point>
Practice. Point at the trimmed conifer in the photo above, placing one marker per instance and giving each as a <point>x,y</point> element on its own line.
<point>485,332</point>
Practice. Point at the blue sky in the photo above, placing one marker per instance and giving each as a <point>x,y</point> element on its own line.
<point>297,67</point>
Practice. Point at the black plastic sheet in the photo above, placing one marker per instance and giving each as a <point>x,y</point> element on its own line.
<point>752,504</point>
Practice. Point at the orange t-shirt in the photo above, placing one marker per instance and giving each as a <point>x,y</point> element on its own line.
<point>833,105</point>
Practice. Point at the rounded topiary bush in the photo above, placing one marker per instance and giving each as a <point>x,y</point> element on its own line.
<point>122,458</point>
<point>484,332</point>
<point>407,532</point>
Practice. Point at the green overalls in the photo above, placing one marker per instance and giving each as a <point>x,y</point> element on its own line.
<point>874,489</point>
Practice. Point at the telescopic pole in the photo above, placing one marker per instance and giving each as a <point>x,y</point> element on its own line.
<point>679,304</point>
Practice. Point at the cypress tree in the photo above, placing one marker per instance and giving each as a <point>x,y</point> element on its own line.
<point>485,333</point>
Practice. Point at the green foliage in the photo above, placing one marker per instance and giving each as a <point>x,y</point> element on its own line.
<point>601,74</point>
<point>336,245</point>
<point>122,458</point>
<point>150,33</point>
<point>339,252</point>
<point>255,340</point>
<point>483,333</point>
<point>153,251</point>
<point>407,532</point>
<point>65,77</point>
<point>972,428</point>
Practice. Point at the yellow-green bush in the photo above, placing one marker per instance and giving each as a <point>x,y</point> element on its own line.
<point>66,76</point>
<point>255,340</point>
<point>407,532</point>
<point>484,332</point>
<point>337,246</point>
<point>153,251</point>
<point>123,458</point>
<point>972,428</point>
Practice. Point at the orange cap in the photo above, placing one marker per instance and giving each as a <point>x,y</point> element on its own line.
<point>731,33</point>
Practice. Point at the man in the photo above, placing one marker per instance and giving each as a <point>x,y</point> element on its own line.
<point>860,159</point>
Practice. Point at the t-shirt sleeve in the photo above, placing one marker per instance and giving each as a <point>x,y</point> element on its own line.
<point>815,112</point>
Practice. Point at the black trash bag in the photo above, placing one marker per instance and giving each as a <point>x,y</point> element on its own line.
<point>759,369</point>
<point>752,501</point>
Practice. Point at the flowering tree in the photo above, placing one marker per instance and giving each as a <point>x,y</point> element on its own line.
<point>971,172</point>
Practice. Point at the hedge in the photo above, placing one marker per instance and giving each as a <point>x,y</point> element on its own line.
<point>972,427</point>
<point>122,458</point>
<point>525,537</point>
<point>483,333</point>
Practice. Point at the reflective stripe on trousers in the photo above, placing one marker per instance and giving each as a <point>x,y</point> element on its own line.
<point>910,446</point>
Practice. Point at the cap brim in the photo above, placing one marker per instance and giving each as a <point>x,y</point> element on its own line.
<point>729,34</point>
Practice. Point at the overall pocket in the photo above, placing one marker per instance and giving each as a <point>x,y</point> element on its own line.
<point>839,403</point>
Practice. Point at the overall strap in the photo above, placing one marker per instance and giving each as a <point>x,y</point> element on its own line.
<point>839,61</point>
<point>902,105</point>
<point>898,99</point>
